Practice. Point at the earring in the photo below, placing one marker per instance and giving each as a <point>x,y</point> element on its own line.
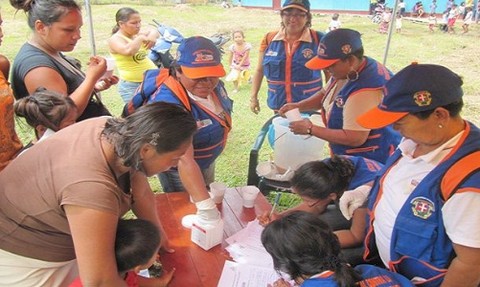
<point>352,75</point>
<point>440,126</point>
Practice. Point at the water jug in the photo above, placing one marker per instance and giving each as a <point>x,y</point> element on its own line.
<point>291,151</point>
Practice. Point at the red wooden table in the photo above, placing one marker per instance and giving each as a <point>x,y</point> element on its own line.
<point>195,266</point>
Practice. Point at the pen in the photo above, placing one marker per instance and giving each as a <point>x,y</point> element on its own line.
<point>275,203</point>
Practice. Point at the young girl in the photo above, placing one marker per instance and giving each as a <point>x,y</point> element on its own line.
<point>398,23</point>
<point>319,183</point>
<point>467,20</point>
<point>47,112</point>
<point>239,58</point>
<point>136,245</point>
<point>386,18</point>
<point>304,247</point>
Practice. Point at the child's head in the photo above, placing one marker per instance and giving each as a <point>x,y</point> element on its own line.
<point>136,244</point>
<point>335,16</point>
<point>320,182</point>
<point>46,110</point>
<point>238,36</point>
<point>302,245</point>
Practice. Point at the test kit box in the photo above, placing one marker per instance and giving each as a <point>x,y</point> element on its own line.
<point>207,234</point>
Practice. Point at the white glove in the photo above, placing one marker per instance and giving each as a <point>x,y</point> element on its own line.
<point>207,210</point>
<point>353,199</point>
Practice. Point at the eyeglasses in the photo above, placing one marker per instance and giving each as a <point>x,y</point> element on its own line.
<point>294,15</point>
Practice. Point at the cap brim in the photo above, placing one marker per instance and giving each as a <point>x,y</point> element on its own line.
<point>377,118</point>
<point>317,64</point>
<point>299,7</point>
<point>204,72</point>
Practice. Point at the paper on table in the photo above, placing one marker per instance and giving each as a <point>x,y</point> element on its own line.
<point>236,274</point>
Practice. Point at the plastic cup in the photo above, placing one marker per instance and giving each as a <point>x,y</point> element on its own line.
<point>293,115</point>
<point>217,190</point>
<point>110,67</point>
<point>249,194</point>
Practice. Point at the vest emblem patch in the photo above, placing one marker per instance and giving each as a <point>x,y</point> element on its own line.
<point>422,207</point>
<point>307,53</point>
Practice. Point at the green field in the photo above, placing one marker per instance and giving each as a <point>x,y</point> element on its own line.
<point>456,51</point>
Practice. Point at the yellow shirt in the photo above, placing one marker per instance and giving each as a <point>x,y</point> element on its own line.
<point>131,68</point>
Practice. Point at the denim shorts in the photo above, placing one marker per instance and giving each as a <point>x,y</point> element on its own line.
<point>127,89</point>
<point>170,180</point>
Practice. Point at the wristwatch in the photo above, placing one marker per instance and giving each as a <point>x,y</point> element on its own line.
<point>309,129</point>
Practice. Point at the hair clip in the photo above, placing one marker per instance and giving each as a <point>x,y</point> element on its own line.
<point>155,137</point>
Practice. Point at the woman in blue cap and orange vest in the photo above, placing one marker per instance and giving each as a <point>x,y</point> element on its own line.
<point>193,82</point>
<point>282,59</point>
<point>355,87</point>
<point>424,207</point>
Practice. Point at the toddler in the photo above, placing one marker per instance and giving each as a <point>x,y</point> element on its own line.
<point>335,23</point>
<point>432,22</point>
<point>398,23</point>
<point>239,57</point>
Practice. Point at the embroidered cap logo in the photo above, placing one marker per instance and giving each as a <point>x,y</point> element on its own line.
<point>422,98</point>
<point>203,56</point>
<point>346,49</point>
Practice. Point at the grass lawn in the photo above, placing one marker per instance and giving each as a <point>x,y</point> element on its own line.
<point>456,51</point>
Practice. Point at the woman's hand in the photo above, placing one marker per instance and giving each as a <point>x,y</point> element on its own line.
<point>265,218</point>
<point>96,68</point>
<point>254,105</point>
<point>285,108</point>
<point>280,283</point>
<point>106,83</point>
<point>300,127</point>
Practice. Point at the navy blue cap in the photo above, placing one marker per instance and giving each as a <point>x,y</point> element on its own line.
<point>416,88</point>
<point>303,5</point>
<point>336,45</point>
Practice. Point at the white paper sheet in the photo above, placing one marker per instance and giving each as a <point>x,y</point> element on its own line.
<point>243,275</point>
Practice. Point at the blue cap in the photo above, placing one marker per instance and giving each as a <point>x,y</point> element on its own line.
<point>416,88</point>
<point>199,58</point>
<point>303,5</point>
<point>336,45</point>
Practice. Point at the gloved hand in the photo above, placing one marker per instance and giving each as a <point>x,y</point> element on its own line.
<point>207,210</point>
<point>353,199</point>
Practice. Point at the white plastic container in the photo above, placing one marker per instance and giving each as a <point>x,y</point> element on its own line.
<point>207,234</point>
<point>290,150</point>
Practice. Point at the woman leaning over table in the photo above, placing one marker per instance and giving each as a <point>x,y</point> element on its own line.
<point>355,87</point>
<point>282,59</point>
<point>129,48</point>
<point>60,202</point>
<point>40,62</point>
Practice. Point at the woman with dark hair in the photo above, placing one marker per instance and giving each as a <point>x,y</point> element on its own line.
<point>129,46</point>
<point>282,59</point>
<point>321,183</point>
<point>304,247</point>
<point>41,63</point>
<point>60,203</point>
<point>355,87</point>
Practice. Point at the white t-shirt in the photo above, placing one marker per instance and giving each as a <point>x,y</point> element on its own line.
<point>461,213</point>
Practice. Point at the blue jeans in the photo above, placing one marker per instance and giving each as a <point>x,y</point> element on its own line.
<point>170,179</point>
<point>127,89</point>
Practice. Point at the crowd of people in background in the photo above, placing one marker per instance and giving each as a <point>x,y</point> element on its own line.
<point>403,167</point>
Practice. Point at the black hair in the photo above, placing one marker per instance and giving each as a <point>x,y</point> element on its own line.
<point>453,108</point>
<point>162,125</point>
<point>136,242</point>
<point>47,11</point>
<point>123,15</point>
<point>302,245</point>
<point>44,107</point>
<point>318,179</point>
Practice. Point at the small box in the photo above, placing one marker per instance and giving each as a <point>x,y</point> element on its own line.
<point>207,234</point>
